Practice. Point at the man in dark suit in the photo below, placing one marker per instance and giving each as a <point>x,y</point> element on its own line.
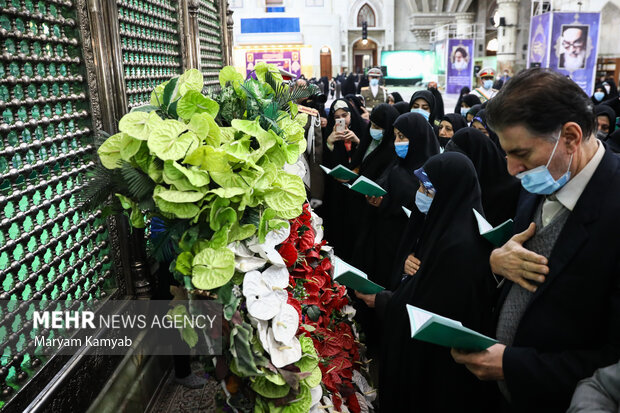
<point>558,317</point>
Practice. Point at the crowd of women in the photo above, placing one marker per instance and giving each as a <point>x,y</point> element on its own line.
<point>441,168</point>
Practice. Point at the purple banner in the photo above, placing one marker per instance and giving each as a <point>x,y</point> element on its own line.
<point>540,37</point>
<point>288,60</point>
<point>460,65</point>
<point>574,47</point>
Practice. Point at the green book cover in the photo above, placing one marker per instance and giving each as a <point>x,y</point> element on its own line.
<point>351,277</point>
<point>340,172</point>
<point>435,329</point>
<point>498,235</point>
<point>365,186</point>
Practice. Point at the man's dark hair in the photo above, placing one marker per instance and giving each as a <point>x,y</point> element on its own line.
<point>542,101</point>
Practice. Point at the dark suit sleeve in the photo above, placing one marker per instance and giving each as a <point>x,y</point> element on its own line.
<point>533,375</point>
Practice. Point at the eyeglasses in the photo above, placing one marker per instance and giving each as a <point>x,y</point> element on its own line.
<point>577,44</point>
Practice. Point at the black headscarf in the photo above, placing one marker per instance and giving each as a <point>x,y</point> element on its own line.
<point>356,102</point>
<point>471,100</point>
<point>464,91</point>
<point>348,87</point>
<point>454,280</point>
<point>481,117</point>
<point>605,97</point>
<point>613,89</point>
<point>430,99</point>
<point>457,121</point>
<point>613,141</point>
<point>373,165</point>
<point>604,110</point>
<point>500,190</point>
<point>397,97</point>
<point>402,107</point>
<point>339,154</point>
<point>439,109</point>
<point>363,83</point>
<point>422,144</point>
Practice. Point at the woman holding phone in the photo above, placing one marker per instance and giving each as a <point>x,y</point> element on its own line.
<point>345,130</point>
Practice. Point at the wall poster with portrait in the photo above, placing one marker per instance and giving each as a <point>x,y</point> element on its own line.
<point>540,41</point>
<point>574,47</point>
<point>288,60</point>
<point>460,65</point>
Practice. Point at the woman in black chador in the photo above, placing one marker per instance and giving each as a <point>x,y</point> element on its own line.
<point>454,280</point>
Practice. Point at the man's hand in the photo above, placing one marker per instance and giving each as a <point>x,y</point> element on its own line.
<point>519,264</point>
<point>368,299</point>
<point>374,200</point>
<point>486,365</point>
<point>323,122</point>
<point>412,265</point>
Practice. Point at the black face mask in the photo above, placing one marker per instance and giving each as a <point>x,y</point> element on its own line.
<point>443,141</point>
<point>600,135</point>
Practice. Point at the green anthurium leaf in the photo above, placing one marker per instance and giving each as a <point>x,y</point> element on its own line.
<point>216,205</point>
<point>270,172</point>
<point>157,95</point>
<point>314,379</point>
<point>110,151</point>
<point>155,169</point>
<point>313,312</point>
<point>293,108</point>
<point>144,108</point>
<point>213,268</point>
<point>142,158</point>
<point>241,232</point>
<point>228,299</point>
<point>178,210</point>
<point>220,237</point>
<point>307,347</point>
<point>251,128</point>
<point>292,153</point>
<point>263,226</point>
<point>209,159</point>
<point>169,144</point>
<point>188,334</point>
<point>229,74</point>
<point>126,203</point>
<point>229,180</point>
<point>139,124</point>
<point>191,80</point>
<point>227,134</point>
<point>268,389</point>
<point>293,132</point>
<point>129,147</point>
<point>195,102</point>
<point>288,195</point>
<point>228,192</point>
<point>214,138</point>
<point>199,124</point>
<point>186,179</point>
<point>275,378</point>
<point>136,218</point>
<point>261,69</point>
<point>302,402</point>
<point>183,263</point>
<point>240,348</point>
<point>170,92</point>
<point>223,217</point>
<point>277,156</point>
<point>301,119</point>
<point>178,197</point>
<point>172,109</point>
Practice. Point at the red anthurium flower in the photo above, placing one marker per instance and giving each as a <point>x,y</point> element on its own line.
<point>288,253</point>
<point>353,404</point>
<point>307,240</point>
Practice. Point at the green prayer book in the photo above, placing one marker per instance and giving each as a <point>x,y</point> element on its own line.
<point>365,186</point>
<point>498,235</point>
<point>353,278</point>
<point>340,172</point>
<point>443,331</point>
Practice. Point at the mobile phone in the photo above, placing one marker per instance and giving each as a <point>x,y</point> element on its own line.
<point>340,125</point>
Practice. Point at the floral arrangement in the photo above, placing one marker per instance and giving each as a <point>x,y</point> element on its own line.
<point>209,173</point>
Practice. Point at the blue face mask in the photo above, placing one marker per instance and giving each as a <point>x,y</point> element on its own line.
<point>421,112</point>
<point>488,84</point>
<point>401,149</point>
<point>376,134</point>
<point>540,181</point>
<point>464,111</point>
<point>423,202</point>
<point>599,96</point>
<point>374,82</point>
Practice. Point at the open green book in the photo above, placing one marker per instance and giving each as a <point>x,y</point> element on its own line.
<point>365,186</point>
<point>498,235</point>
<point>435,329</point>
<point>353,278</point>
<point>340,172</point>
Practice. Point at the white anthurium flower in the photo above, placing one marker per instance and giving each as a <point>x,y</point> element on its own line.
<point>267,250</point>
<point>265,293</point>
<point>283,354</point>
<point>349,311</point>
<point>298,168</point>
<point>317,225</point>
<point>316,393</point>
<point>245,260</point>
<point>285,323</point>
<point>362,384</point>
<point>361,400</point>
<point>262,327</point>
